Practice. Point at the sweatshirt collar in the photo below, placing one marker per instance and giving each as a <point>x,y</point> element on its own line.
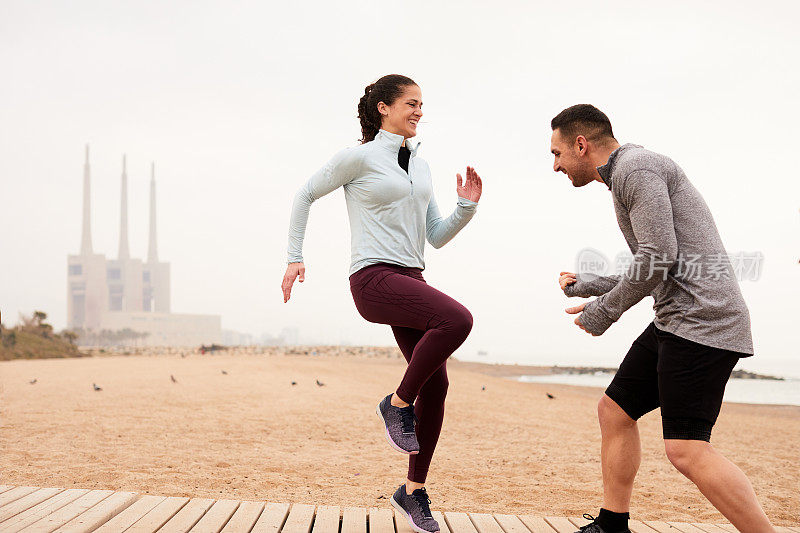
<point>394,141</point>
<point>607,170</point>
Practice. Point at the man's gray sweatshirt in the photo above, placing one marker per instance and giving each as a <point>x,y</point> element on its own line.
<point>678,257</point>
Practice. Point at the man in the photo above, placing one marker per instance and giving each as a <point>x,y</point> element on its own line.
<point>683,360</point>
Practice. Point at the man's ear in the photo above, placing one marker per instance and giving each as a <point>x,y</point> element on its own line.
<point>383,109</point>
<point>581,144</point>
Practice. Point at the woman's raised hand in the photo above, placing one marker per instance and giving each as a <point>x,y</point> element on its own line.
<point>292,272</point>
<point>471,189</point>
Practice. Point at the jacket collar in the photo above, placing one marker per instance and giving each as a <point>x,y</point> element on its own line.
<point>607,170</point>
<point>394,142</point>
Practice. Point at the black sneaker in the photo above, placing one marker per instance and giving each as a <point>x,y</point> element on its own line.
<point>399,423</point>
<point>594,527</point>
<point>416,508</point>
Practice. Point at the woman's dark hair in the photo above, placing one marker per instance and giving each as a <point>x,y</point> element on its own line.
<point>386,90</point>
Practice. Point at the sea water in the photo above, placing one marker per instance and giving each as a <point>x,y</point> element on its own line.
<point>760,391</point>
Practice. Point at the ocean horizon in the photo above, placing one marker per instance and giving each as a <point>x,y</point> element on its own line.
<point>787,367</point>
<point>755,391</point>
<point>738,390</point>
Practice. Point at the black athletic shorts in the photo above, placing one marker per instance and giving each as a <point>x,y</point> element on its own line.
<point>686,379</point>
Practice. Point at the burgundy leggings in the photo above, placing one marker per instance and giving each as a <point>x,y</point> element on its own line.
<point>428,326</point>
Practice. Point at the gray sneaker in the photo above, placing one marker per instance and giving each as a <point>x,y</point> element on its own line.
<point>399,423</point>
<point>416,508</point>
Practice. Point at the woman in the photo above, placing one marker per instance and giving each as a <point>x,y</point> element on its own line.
<point>392,210</point>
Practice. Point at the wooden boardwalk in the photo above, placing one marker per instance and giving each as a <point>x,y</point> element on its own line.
<point>34,509</point>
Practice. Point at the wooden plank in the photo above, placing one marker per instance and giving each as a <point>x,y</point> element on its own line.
<point>244,518</point>
<point>381,520</point>
<point>536,524</point>
<point>709,528</point>
<point>104,511</point>
<point>439,517</point>
<point>354,520</point>
<point>685,527</point>
<point>15,494</point>
<point>560,524</point>
<point>272,518</point>
<point>300,519</point>
<point>579,521</point>
<point>26,502</point>
<point>661,527</point>
<point>401,524</point>
<point>188,516</point>
<point>158,515</point>
<point>510,523</point>
<point>639,527</point>
<point>216,517</point>
<point>327,519</point>
<point>131,515</point>
<point>485,523</point>
<point>634,525</point>
<point>35,513</point>
<point>66,513</point>
<point>459,523</point>
<point>101,513</point>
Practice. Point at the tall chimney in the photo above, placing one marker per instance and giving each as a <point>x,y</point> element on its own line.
<point>86,234</point>
<point>152,251</point>
<point>124,253</point>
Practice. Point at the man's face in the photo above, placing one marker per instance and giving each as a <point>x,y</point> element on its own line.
<point>571,159</point>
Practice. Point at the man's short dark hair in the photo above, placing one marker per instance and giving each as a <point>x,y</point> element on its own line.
<point>583,119</point>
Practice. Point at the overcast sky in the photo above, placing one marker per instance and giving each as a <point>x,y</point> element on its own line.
<point>238,103</point>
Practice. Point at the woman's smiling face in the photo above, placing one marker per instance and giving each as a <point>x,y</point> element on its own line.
<point>403,115</point>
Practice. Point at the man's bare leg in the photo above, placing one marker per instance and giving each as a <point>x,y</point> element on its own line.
<point>721,481</point>
<point>620,454</point>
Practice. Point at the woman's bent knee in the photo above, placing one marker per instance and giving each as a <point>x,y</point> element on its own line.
<point>454,319</point>
<point>461,320</point>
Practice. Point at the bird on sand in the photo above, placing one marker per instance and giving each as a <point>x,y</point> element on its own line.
<point>33,381</point>
<point>320,384</point>
<point>96,387</point>
<point>173,378</point>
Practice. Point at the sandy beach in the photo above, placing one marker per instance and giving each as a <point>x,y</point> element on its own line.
<point>250,433</point>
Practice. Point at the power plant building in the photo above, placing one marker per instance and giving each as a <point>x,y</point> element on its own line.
<point>128,293</point>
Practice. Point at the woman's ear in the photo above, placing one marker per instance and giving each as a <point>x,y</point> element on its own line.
<point>383,109</point>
